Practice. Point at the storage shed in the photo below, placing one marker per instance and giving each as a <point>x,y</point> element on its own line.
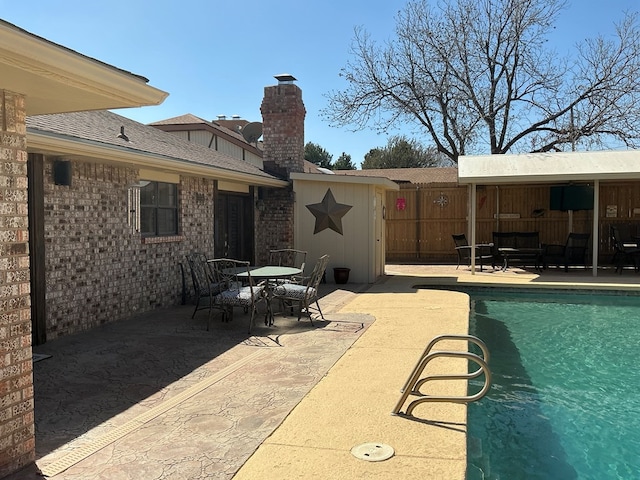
<point>343,216</point>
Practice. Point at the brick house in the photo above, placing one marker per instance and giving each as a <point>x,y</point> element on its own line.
<point>116,205</point>
<point>121,204</point>
<point>97,211</point>
<point>36,77</point>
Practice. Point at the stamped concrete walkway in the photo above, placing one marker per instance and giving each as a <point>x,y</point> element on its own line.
<point>159,397</point>
<point>162,398</point>
<point>352,405</point>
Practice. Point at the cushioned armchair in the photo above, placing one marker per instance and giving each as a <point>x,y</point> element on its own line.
<point>304,295</point>
<point>240,289</point>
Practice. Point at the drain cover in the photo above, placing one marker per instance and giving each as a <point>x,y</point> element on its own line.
<point>373,452</point>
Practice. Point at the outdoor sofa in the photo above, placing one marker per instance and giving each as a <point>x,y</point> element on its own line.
<point>517,247</point>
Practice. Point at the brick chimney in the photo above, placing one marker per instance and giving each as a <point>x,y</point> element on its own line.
<point>283,127</point>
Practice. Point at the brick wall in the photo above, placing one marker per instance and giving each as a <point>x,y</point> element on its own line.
<point>274,223</point>
<point>98,269</point>
<point>17,441</point>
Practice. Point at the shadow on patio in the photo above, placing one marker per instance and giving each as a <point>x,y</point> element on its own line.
<point>145,377</point>
<point>160,397</point>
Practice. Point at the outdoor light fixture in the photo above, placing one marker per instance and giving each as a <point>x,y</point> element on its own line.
<point>140,184</point>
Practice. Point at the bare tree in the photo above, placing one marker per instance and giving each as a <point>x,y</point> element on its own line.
<point>478,76</point>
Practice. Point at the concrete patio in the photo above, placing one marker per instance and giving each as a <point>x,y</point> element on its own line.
<point>159,397</point>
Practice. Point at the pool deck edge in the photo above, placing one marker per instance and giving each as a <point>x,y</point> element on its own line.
<point>352,404</point>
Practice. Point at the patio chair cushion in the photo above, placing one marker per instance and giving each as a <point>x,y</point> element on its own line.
<point>294,291</point>
<point>214,288</point>
<point>239,297</point>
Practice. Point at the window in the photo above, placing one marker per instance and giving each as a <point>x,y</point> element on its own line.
<point>159,209</point>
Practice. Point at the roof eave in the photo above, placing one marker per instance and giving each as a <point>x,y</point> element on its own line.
<point>553,167</point>
<point>323,177</point>
<point>55,79</point>
<point>53,144</point>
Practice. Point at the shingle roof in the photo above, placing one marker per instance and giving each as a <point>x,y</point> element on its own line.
<point>185,119</point>
<point>310,167</point>
<point>409,175</point>
<point>225,127</point>
<point>103,127</point>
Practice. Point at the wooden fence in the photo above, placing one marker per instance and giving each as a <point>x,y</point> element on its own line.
<point>420,219</point>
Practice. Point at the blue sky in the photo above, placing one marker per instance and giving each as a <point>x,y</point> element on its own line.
<point>215,57</point>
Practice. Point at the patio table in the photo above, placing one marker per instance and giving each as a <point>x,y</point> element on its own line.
<point>270,272</point>
<point>533,253</point>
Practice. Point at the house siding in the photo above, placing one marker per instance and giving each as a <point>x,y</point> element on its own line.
<point>98,269</point>
<point>17,440</point>
<point>220,144</point>
<point>231,149</point>
<point>355,248</point>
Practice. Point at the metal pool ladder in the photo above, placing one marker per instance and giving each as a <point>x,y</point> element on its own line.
<point>415,382</point>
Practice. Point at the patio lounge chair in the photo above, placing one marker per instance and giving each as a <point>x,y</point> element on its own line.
<point>239,288</point>
<point>463,249</point>
<point>626,252</point>
<point>304,295</point>
<point>572,253</point>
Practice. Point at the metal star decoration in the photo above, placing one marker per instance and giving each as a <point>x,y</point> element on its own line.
<point>328,213</point>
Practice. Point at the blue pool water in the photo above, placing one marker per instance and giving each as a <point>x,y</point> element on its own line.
<point>565,399</point>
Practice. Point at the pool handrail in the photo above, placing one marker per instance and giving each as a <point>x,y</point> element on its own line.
<point>415,382</point>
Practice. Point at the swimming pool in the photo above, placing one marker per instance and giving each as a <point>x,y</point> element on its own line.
<point>565,400</point>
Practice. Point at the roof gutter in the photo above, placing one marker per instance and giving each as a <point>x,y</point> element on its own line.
<point>50,143</point>
<point>361,180</point>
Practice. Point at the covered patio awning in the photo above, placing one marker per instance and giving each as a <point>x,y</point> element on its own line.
<point>550,167</point>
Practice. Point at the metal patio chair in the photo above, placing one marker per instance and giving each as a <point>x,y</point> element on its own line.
<point>572,253</point>
<point>626,253</point>
<point>304,295</point>
<point>463,249</point>
<point>206,286</point>
<point>239,290</point>
<point>289,257</point>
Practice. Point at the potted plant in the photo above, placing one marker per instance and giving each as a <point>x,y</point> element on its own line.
<point>341,274</point>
